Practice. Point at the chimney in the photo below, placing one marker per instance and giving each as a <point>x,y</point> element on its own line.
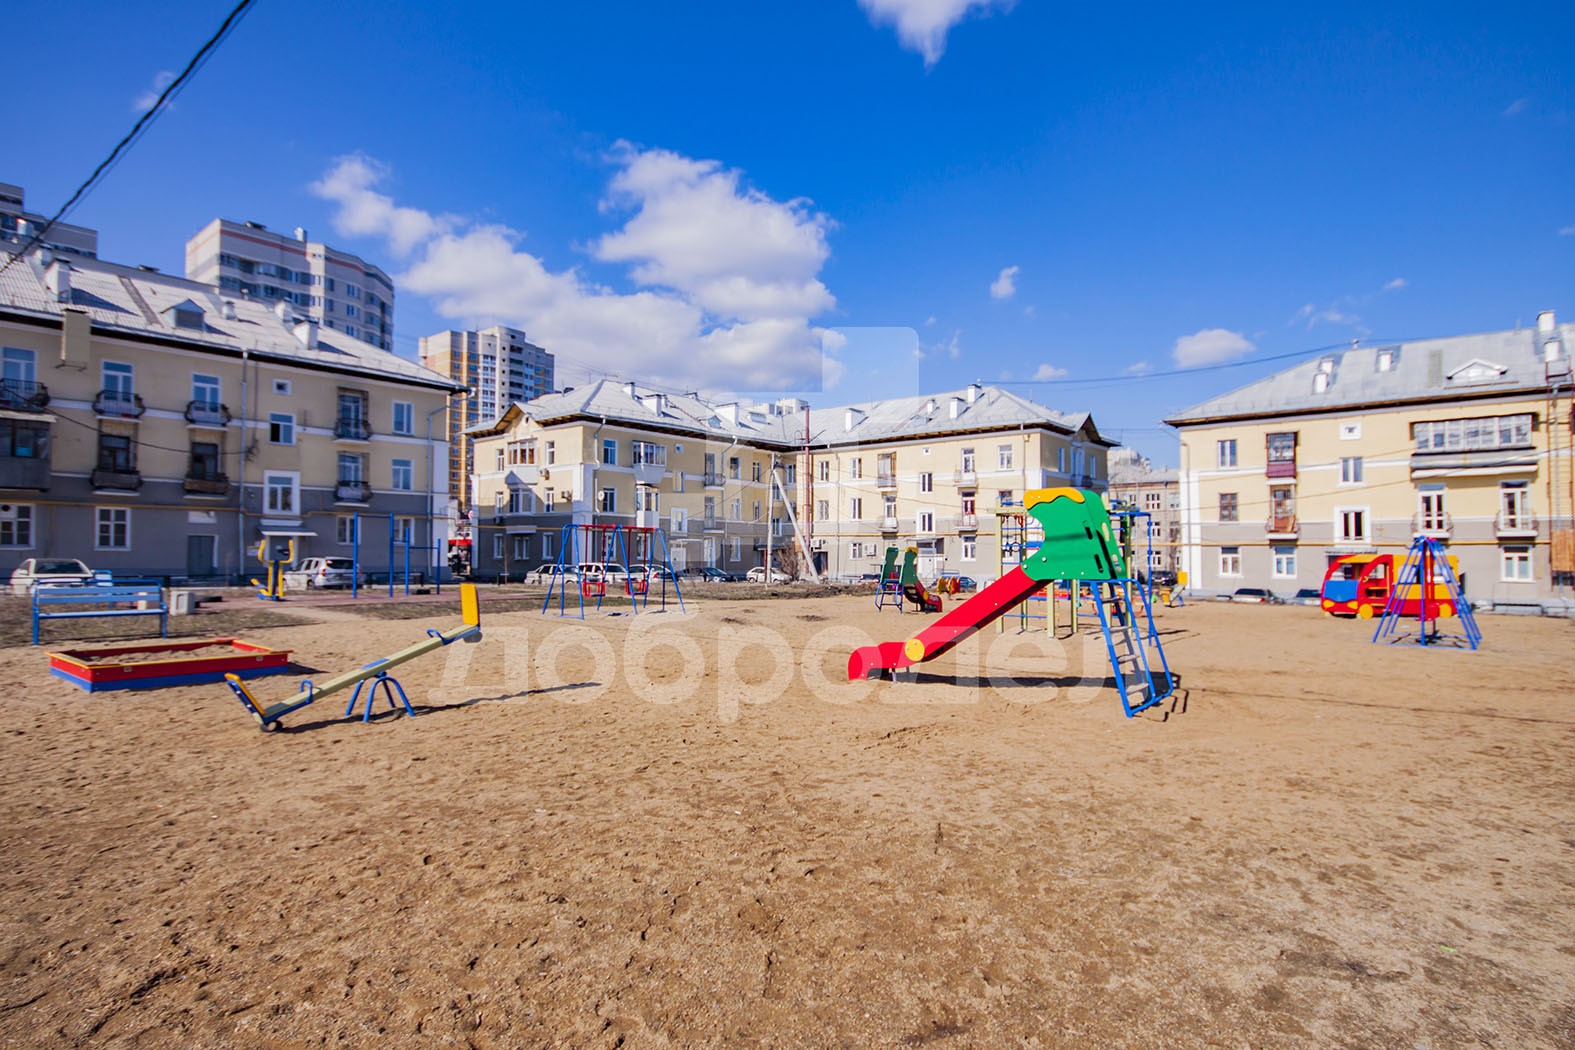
<point>58,280</point>
<point>973,391</point>
<point>929,407</point>
<point>852,418</point>
<point>957,408</point>
<point>282,311</point>
<point>229,309</point>
<point>655,402</point>
<point>300,234</point>
<point>729,413</point>
<point>306,333</point>
<point>629,389</point>
<point>1545,322</point>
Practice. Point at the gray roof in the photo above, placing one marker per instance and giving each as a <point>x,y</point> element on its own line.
<point>782,422</point>
<point>1458,367</point>
<point>139,303</point>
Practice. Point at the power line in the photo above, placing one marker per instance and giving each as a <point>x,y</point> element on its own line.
<point>1133,377</point>
<point>143,123</point>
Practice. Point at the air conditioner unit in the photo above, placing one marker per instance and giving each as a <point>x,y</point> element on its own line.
<point>546,475</point>
<point>818,545</point>
<point>7,511</point>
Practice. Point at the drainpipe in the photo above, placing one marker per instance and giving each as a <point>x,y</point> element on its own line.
<point>437,569</point>
<point>596,462</point>
<point>240,490</point>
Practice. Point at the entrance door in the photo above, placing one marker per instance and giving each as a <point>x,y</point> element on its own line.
<point>199,555</point>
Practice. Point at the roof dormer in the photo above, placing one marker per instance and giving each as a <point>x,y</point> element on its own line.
<point>1476,371</point>
<point>185,314</point>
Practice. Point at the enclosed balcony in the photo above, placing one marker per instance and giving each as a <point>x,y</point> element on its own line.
<point>352,428</point>
<point>24,472</point>
<point>206,483</point>
<point>713,479</point>
<point>23,395</point>
<point>207,414</point>
<point>353,491</point>
<point>1282,527</point>
<point>118,404</point>
<point>885,481</point>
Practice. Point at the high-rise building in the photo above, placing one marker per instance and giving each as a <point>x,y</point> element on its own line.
<point>500,367</point>
<point>334,288</point>
<point>18,226</point>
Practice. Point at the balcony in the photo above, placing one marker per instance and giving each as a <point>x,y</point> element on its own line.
<point>713,480</point>
<point>118,404</point>
<point>24,472</point>
<point>351,428</point>
<point>1522,523</point>
<point>353,491</point>
<point>23,395</point>
<point>885,481</point>
<point>120,480</point>
<point>1280,468</point>
<point>966,476</point>
<point>962,523</point>
<point>1284,527</point>
<point>710,523</point>
<point>1438,526</point>
<point>207,414</point>
<point>206,483</point>
<point>1507,460</point>
<point>888,524</point>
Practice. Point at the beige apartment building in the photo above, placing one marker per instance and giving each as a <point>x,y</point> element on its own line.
<point>1465,439</point>
<point>925,471</point>
<point>150,425</point>
<point>1135,482</point>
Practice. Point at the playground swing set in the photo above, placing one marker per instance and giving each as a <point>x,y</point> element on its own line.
<point>590,554</point>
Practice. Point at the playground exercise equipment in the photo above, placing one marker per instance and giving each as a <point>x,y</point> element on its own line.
<point>278,555</point>
<point>153,665</point>
<point>374,674</point>
<point>912,587</point>
<point>589,553</point>
<point>1077,544</point>
<point>888,589</point>
<point>1426,587</point>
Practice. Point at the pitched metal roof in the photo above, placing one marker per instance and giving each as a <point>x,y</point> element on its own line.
<point>781,423</point>
<point>1458,367</point>
<point>138,303</point>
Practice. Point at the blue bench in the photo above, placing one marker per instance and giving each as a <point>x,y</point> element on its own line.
<point>136,599</point>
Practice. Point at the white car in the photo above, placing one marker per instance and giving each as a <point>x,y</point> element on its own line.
<point>50,572</point>
<point>758,575</point>
<point>321,573</point>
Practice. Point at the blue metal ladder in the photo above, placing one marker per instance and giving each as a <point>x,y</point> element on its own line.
<point>1136,679</point>
<point>1409,575</point>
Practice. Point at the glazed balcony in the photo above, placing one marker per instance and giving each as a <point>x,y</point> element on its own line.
<point>885,481</point>
<point>1283,527</point>
<point>23,395</point>
<point>24,472</point>
<point>352,428</point>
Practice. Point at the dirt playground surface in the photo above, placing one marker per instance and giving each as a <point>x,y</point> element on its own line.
<point>674,831</point>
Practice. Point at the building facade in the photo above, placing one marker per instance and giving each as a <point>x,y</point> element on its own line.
<point>339,291</point>
<point>18,226</point>
<point>1157,493</point>
<point>1464,439</point>
<point>498,367</point>
<point>150,425</point>
<point>924,471</point>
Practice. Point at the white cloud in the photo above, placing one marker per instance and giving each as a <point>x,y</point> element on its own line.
<point>729,276</point>
<point>931,319</point>
<point>922,25</point>
<point>145,101</point>
<point>1141,368</point>
<point>1395,285</point>
<point>1048,371</point>
<point>1005,284</point>
<point>1567,231</point>
<point>1029,311</point>
<point>1211,346</point>
<point>1517,107</point>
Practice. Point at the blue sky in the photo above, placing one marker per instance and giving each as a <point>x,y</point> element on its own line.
<point>698,193</point>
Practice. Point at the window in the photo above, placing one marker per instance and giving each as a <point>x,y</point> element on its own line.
<point>204,461</point>
<point>970,502</point>
<point>1228,506</point>
<point>21,439</point>
<point>405,530</point>
<point>789,474</point>
<point>757,510</point>
<point>738,510</point>
<point>344,529</point>
<point>351,291</point>
<point>648,499</point>
<point>497,546</point>
<point>350,330</point>
<point>205,390</point>
<point>18,366</point>
<point>1003,457</point>
<point>500,464</point>
<point>1430,513</point>
<point>1514,506</point>
<point>281,491</point>
<point>404,417</point>
<point>281,428</point>
<point>754,471</point>
<point>1004,498</point>
<point>1230,561</point>
<point>735,548</point>
<point>610,451</point>
<point>16,526</point>
<point>521,547</point>
<point>1515,564</point>
<point>855,468</point>
<point>1350,470</point>
<point>116,453</point>
<point>856,508</point>
<point>855,549</point>
<point>1350,525</point>
<point>546,546</point>
<point>1060,460</point>
<point>1285,563</point>
<point>970,548</point>
<point>404,475</point>
<point>350,311</point>
<point>1466,435</point>
<point>926,521</point>
<point>926,482</point>
<point>607,501</point>
<point>825,470</point>
<point>967,461</point>
<point>118,378</point>
<point>1225,452</point>
<point>1281,448</point>
<point>351,469</point>
<point>889,508</point>
<point>647,454</point>
<point>114,529</point>
<point>1151,501</point>
<point>547,497</point>
<point>822,509</point>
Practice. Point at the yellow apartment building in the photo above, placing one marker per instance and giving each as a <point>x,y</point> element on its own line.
<point>925,471</point>
<point>1466,439</point>
<point>150,425</point>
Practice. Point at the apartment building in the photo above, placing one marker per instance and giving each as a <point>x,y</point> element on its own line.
<point>18,226</point>
<point>1465,439</point>
<point>1156,492</point>
<point>338,290</point>
<point>925,471</point>
<point>499,367</point>
<point>151,425</point>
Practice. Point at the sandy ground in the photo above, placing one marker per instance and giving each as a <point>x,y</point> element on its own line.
<point>688,831</point>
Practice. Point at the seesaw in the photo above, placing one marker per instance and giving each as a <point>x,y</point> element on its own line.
<point>374,674</point>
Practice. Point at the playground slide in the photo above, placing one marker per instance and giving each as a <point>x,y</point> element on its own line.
<point>915,593</point>
<point>977,612</point>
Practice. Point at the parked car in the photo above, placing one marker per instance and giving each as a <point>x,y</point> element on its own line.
<point>965,584</point>
<point>546,571</point>
<point>1253,595</point>
<point>1163,578</point>
<point>654,573</point>
<point>758,575</point>
<point>711,574</point>
<point>50,572</point>
<point>321,574</point>
<point>1306,596</point>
